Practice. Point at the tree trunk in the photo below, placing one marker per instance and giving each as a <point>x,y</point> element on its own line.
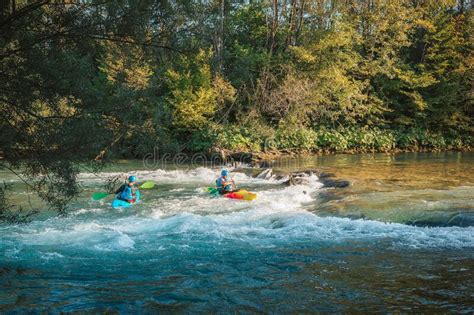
<point>291,26</point>
<point>220,37</point>
<point>300,21</point>
<point>274,25</point>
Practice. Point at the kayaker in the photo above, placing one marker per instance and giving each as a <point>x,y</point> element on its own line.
<point>127,192</point>
<point>224,185</point>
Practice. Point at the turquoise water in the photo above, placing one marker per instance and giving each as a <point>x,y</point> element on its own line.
<point>294,249</point>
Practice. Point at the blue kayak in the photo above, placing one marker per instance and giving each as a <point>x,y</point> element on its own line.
<point>117,203</point>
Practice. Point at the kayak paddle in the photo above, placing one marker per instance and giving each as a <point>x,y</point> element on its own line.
<point>101,195</point>
<point>148,185</point>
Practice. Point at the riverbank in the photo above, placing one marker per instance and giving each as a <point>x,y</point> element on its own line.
<point>259,144</point>
<point>265,159</point>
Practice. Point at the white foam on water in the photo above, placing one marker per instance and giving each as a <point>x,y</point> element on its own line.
<point>177,190</point>
<point>90,210</point>
<point>267,225</point>
<point>120,242</point>
<point>203,175</point>
<point>276,218</point>
<point>13,252</point>
<point>51,255</point>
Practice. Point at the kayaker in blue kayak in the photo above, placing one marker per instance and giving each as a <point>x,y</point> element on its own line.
<point>127,192</point>
<point>223,184</point>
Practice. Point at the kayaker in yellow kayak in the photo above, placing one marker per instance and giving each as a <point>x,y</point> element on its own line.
<point>223,184</point>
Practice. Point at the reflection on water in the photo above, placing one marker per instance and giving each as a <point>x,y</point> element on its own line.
<point>387,172</point>
<point>426,189</point>
<point>399,239</point>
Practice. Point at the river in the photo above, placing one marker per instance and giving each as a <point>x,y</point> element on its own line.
<point>399,239</point>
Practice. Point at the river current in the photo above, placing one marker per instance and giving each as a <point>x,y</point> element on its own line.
<point>399,239</point>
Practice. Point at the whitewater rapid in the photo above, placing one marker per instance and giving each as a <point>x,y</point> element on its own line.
<point>181,207</point>
<point>183,250</point>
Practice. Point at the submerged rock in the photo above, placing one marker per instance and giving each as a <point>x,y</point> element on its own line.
<point>266,174</point>
<point>296,180</point>
<point>264,164</point>
<point>282,177</point>
<point>302,178</point>
<point>335,183</point>
<point>325,175</point>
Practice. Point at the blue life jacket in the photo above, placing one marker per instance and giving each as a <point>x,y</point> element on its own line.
<point>126,194</point>
<point>220,184</point>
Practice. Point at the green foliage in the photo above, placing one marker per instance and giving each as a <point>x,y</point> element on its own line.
<point>333,63</point>
<point>245,137</point>
<point>194,95</point>
<point>241,138</point>
<point>422,139</point>
<point>299,138</point>
<point>238,140</point>
<point>332,140</point>
<point>246,38</point>
<point>352,140</point>
<point>192,98</point>
<point>9,213</point>
<point>369,139</point>
<point>205,139</point>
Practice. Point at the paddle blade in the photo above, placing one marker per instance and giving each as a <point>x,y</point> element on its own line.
<point>212,191</point>
<point>148,185</point>
<point>99,195</point>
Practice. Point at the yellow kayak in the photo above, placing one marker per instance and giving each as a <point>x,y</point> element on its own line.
<point>241,194</point>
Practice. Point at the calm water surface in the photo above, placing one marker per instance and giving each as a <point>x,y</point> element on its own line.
<point>399,239</point>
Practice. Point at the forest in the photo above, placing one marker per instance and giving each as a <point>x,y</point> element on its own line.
<point>86,82</point>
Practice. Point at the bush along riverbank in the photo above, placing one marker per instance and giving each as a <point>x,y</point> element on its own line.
<point>297,140</point>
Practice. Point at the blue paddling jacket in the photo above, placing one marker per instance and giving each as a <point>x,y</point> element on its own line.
<point>126,193</point>
<point>220,184</point>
